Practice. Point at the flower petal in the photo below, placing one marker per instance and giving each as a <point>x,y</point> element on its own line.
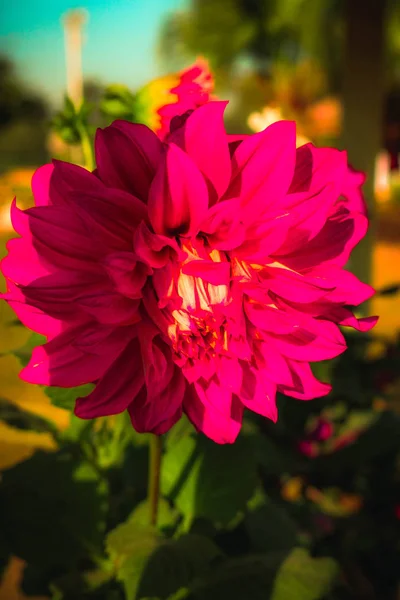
<point>157,412</point>
<point>321,341</point>
<point>32,317</point>
<point>109,307</point>
<point>274,365</point>
<point>43,190</point>
<point>258,393</point>
<point>117,388</point>
<point>216,273</point>
<point>263,166</point>
<point>127,274</point>
<point>351,190</point>
<point>332,245</point>
<point>62,363</point>
<point>306,386</point>
<point>222,225</point>
<point>206,143</point>
<point>214,411</point>
<point>230,373</point>
<point>316,168</point>
<point>55,229</point>
<point>155,250</point>
<point>178,198</point>
<point>127,156</point>
<point>288,284</point>
<point>345,287</point>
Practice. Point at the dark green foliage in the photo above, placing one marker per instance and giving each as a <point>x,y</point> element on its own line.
<point>257,519</point>
<point>53,497</point>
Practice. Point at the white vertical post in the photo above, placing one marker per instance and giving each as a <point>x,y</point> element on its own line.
<point>73,22</point>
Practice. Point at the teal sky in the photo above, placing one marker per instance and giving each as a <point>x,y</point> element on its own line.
<point>120,46</point>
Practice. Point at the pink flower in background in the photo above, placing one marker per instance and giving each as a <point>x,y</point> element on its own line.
<point>166,98</point>
<point>201,275</point>
<point>322,429</point>
<point>308,448</point>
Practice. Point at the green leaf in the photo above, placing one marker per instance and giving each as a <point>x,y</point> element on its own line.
<point>148,565</point>
<point>69,107</point>
<point>249,577</point>
<point>112,436</point>
<point>129,546</point>
<point>182,429</point>
<point>72,122</point>
<point>118,102</point>
<point>69,134</point>
<point>181,594</point>
<point>177,563</point>
<point>208,480</point>
<point>85,110</point>
<point>77,430</point>
<point>275,459</point>
<point>118,90</point>
<point>57,499</point>
<point>270,528</point>
<point>302,577</point>
<point>167,516</point>
<point>115,108</point>
<point>65,397</point>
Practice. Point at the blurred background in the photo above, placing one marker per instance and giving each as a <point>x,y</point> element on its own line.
<point>333,66</point>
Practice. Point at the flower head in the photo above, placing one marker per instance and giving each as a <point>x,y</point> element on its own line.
<point>158,102</point>
<point>200,275</point>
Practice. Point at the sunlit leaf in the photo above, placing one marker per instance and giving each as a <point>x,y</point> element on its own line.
<point>129,546</point>
<point>302,577</point>
<point>207,480</point>
<point>166,516</point>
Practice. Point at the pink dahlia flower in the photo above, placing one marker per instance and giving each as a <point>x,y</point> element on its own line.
<point>201,275</point>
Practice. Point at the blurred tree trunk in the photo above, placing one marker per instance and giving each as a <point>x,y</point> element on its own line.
<point>363,102</point>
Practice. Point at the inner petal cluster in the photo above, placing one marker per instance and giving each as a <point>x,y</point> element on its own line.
<point>198,329</point>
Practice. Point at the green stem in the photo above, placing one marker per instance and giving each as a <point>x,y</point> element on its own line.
<point>154,476</point>
<point>87,148</point>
